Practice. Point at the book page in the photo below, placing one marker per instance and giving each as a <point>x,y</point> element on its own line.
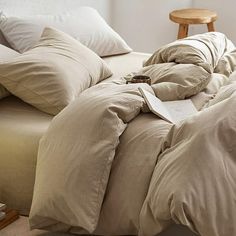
<point>156,106</point>
<point>180,109</point>
<point>171,111</point>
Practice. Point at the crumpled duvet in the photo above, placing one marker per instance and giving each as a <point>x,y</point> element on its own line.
<point>203,50</point>
<point>183,68</point>
<point>194,180</point>
<point>76,155</point>
<point>107,167</point>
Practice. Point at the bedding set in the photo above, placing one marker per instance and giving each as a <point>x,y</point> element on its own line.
<point>105,165</point>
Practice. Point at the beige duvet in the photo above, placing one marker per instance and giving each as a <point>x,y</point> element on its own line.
<point>107,167</point>
<point>194,179</point>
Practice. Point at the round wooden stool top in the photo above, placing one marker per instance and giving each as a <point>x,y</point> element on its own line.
<point>193,16</point>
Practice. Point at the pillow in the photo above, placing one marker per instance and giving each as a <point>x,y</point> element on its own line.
<point>85,24</point>
<point>54,72</point>
<point>6,54</point>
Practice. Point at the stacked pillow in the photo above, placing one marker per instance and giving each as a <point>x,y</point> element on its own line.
<point>54,68</point>
<point>54,72</point>
<point>85,25</point>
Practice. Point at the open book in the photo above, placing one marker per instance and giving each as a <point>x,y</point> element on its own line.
<point>171,111</point>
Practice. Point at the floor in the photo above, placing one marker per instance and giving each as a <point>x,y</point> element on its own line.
<point>21,228</point>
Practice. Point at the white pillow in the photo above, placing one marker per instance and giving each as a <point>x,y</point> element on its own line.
<point>54,72</point>
<point>84,24</point>
<point>5,54</point>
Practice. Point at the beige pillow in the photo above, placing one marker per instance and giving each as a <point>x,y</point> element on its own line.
<point>84,24</point>
<point>5,55</point>
<point>54,72</point>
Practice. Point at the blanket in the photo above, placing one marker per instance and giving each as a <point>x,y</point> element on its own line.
<point>106,166</point>
<point>183,68</point>
<point>194,181</point>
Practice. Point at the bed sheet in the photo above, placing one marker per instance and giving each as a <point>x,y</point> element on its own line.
<point>122,65</point>
<point>21,128</point>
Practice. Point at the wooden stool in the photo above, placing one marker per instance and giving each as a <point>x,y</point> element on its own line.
<point>185,17</point>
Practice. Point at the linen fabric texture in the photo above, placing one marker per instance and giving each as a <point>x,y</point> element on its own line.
<point>84,24</point>
<point>5,55</point>
<point>54,72</point>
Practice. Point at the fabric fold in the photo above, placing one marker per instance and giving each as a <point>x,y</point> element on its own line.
<point>79,153</point>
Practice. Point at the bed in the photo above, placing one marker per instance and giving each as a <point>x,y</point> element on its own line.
<point>22,127</point>
<point>113,162</point>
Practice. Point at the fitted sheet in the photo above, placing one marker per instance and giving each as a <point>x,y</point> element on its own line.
<point>22,126</point>
<point>122,65</point>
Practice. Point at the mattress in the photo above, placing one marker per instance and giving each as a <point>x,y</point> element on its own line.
<point>22,126</point>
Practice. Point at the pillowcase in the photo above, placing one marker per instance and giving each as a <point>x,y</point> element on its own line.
<point>85,24</point>
<point>5,54</point>
<point>54,72</point>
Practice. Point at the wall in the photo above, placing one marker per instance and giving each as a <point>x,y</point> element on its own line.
<point>226,16</point>
<point>30,7</point>
<point>145,24</point>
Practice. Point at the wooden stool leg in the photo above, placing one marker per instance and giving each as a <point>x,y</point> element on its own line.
<point>210,27</point>
<point>183,31</point>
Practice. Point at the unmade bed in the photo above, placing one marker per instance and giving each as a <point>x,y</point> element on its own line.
<point>84,154</point>
<point>22,126</point>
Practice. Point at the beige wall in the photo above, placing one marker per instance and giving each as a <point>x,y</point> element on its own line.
<point>145,24</point>
<point>30,7</point>
<point>227,16</point>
